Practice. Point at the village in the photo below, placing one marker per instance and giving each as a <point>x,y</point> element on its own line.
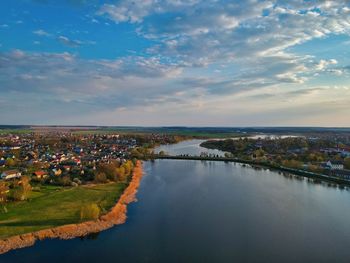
<point>67,159</point>
<point>323,154</point>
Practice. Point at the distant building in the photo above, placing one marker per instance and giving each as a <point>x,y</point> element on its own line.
<point>66,168</point>
<point>57,172</point>
<point>40,174</point>
<point>335,165</point>
<point>78,150</point>
<point>11,174</point>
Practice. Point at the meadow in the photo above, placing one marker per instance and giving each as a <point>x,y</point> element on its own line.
<point>55,206</point>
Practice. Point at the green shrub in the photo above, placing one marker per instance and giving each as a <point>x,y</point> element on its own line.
<point>89,212</point>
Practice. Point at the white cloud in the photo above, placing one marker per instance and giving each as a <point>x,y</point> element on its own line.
<point>323,64</point>
<point>206,59</point>
<point>136,11</point>
<point>73,42</point>
<point>41,32</point>
<point>69,42</point>
<point>216,31</point>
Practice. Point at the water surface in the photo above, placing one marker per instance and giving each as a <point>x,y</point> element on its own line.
<point>190,147</point>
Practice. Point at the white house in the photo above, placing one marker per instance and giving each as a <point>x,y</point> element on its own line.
<point>335,165</point>
<point>11,174</point>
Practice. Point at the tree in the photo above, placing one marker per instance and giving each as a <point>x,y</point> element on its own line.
<point>259,153</point>
<point>3,192</point>
<point>292,164</point>
<point>347,163</point>
<point>100,178</point>
<point>10,162</point>
<point>312,157</point>
<point>90,212</point>
<point>228,155</point>
<point>121,175</point>
<point>108,170</point>
<point>66,181</point>
<point>23,190</point>
<point>314,168</point>
<point>279,159</point>
<point>128,167</point>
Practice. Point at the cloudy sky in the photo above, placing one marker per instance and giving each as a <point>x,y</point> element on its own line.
<point>175,62</point>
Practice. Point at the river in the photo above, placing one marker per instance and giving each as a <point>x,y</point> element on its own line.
<point>190,147</point>
<point>197,211</point>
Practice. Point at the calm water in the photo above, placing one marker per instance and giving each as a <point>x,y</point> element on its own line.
<point>193,211</point>
<point>190,147</point>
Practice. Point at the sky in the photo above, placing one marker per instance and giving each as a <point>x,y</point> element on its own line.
<point>175,62</point>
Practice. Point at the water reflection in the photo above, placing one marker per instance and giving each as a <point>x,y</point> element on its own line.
<point>91,236</point>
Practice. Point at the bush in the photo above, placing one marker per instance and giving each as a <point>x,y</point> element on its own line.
<point>100,178</point>
<point>66,181</point>
<point>3,192</point>
<point>347,163</point>
<point>18,194</point>
<point>89,212</point>
<point>3,209</point>
<point>108,170</point>
<point>22,191</point>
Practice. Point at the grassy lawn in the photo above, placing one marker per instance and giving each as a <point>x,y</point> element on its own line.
<point>55,206</point>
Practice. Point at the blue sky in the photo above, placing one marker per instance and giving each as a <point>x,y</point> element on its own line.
<point>175,62</point>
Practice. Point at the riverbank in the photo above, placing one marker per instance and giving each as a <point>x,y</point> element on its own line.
<point>116,216</point>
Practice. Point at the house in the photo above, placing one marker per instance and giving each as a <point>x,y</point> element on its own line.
<point>40,174</point>
<point>11,174</point>
<point>57,172</point>
<point>78,150</point>
<point>345,153</point>
<point>66,168</point>
<point>76,161</point>
<point>14,148</point>
<point>335,165</point>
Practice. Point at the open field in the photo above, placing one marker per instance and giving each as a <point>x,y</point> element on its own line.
<point>15,131</point>
<point>55,206</point>
<point>191,134</point>
<point>194,132</point>
<point>180,131</point>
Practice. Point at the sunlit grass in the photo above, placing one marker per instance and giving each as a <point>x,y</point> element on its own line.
<point>55,206</point>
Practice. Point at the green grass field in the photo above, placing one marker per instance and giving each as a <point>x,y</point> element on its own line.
<point>55,206</point>
<point>185,133</point>
<point>15,131</point>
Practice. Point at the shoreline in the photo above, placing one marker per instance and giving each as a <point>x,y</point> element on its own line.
<point>303,173</point>
<point>116,216</point>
